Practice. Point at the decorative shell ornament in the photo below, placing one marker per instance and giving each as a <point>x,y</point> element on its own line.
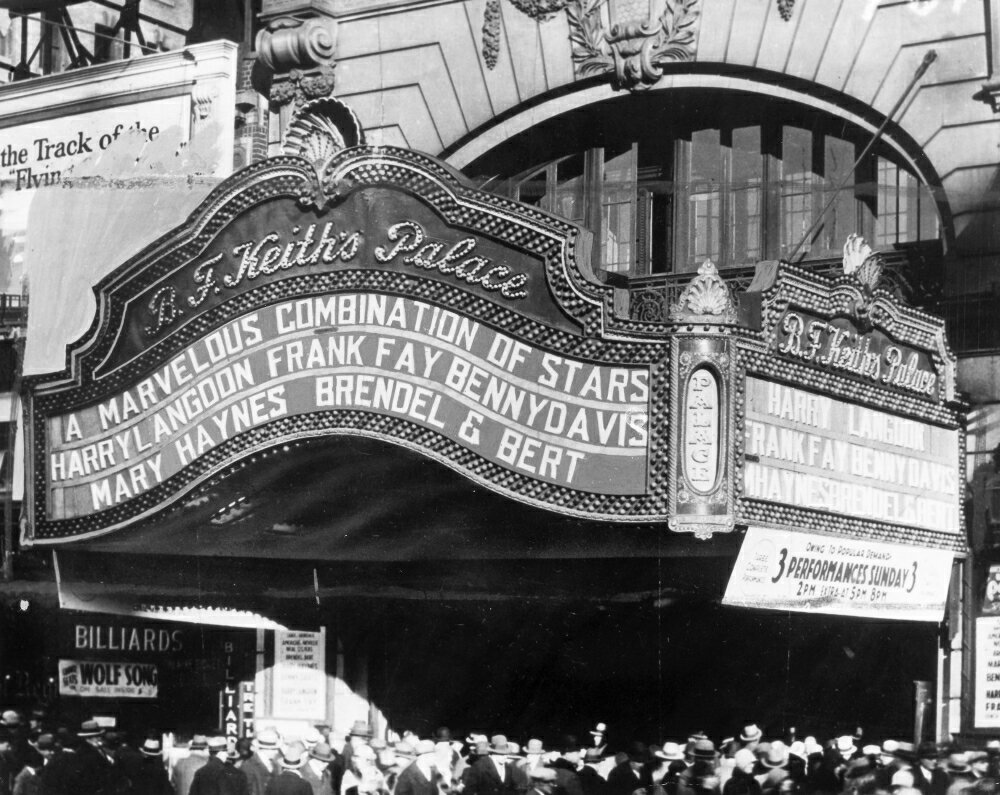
<point>707,294</point>
<point>320,129</point>
<point>861,262</point>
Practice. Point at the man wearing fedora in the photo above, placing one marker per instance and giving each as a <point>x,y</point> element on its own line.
<point>259,768</point>
<point>628,776</point>
<point>151,775</point>
<point>289,780</point>
<point>492,774</point>
<point>566,766</point>
<point>592,782</point>
<point>216,777</point>
<point>96,768</point>
<point>542,781</point>
<point>317,769</point>
<point>421,776</point>
<point>700,778</point>
<point>186,768</point>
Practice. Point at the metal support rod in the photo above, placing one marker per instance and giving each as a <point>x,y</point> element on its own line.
<point>928,59</point>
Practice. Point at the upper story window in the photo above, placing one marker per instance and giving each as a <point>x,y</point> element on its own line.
<point>734,181</point>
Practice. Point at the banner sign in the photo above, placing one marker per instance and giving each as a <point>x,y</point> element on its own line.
<point>409,308</point>
<point>817,452</point>
<point>987,679</point>
<point>103,679</point>
<point>299,675</point>
<point>805,572</point>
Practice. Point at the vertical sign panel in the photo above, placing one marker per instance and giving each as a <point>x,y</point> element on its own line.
<point>300,675</point>
<point>987,673</point>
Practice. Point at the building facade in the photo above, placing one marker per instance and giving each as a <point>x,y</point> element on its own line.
<point>650,139</point>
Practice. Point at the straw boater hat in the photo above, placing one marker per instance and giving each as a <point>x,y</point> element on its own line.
<point>293,756</point>
<point>151,747</point>
<point>404,750</point>
<point>845,744</point>
<point>10,718</point>
<point>91,728</point>
<point>542,774</point>
<point>671,752</point>
<point>268,738</point>
<point>958,763</point>
<point>599,730</point>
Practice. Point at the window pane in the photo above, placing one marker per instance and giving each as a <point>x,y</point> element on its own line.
<point>841,219</point>
<point>797,182</point>
<point>928,214</point>
<point>890,208</point>
<point>532,189</point>
<point>704,191</point>
<point>746,197</point>
<point>618,209</point>
<point>569,193</point>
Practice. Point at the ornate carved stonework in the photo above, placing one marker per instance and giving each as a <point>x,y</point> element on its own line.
<point>706,296</point>
<point>298,57</point>
<point>633,50</point>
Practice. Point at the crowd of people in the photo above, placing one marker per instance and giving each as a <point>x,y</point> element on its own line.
<point>36,759</point>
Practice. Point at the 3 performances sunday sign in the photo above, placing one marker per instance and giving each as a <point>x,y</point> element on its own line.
<point>408,308</point>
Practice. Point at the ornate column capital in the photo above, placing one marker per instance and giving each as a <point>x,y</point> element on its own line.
<point>296,51</point>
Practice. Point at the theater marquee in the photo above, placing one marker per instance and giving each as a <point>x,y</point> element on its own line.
<point>385,299</point>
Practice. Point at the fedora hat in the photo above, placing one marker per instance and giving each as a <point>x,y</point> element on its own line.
<point>199,742</point>
<point>293,756</point>
<point>751,733</point>
<point>638,752</point>
<point>442,734</point>
<point>703,750</point>
<point>151,747</point>
<point>534,746</point>
<point>499,745</point>
<point>928,749</point>
<point>671,752</point>
<point>568,744</point>
<point>323,752</point>
<point>776,756</point>
<point>360,729</point>
<point>90,728</point>
<point>45,742</point>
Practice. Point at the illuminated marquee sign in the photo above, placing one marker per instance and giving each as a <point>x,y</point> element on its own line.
<point>850,421</point>
<point>382,309</point>
<point>825,454</point>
